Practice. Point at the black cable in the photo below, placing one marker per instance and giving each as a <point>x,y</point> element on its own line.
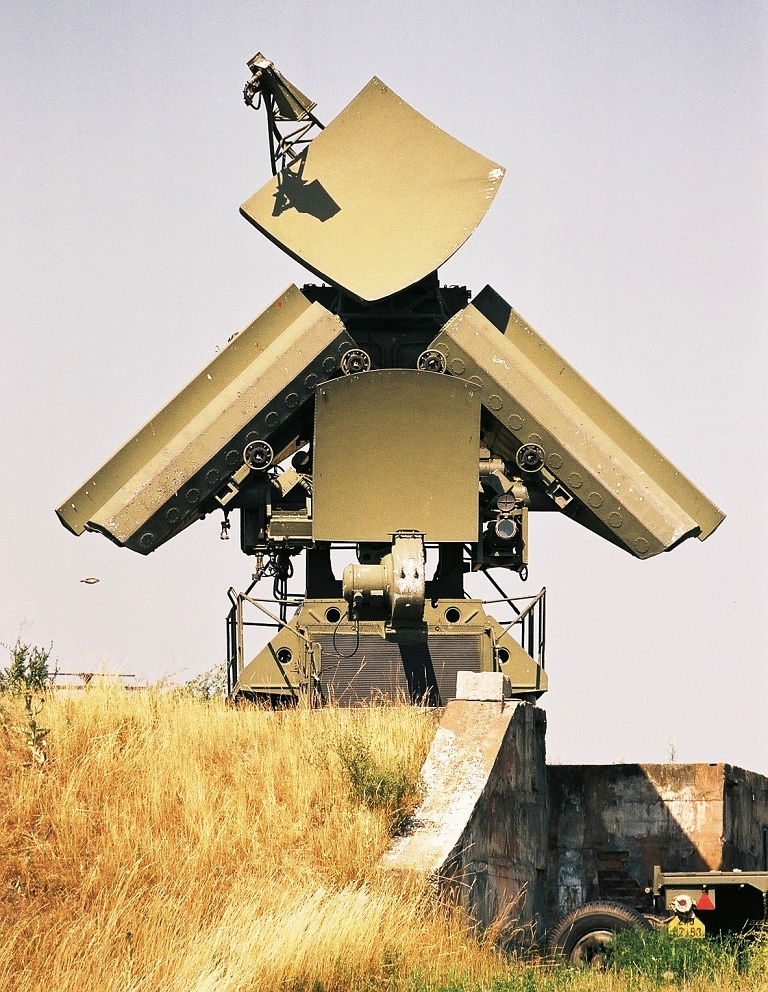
<point>357,633</point>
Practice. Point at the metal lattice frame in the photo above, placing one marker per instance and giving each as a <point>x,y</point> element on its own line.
<point>291,125</point>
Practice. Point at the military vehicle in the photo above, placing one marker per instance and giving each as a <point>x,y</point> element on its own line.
<point>718,901</point>
<point>387,417</point>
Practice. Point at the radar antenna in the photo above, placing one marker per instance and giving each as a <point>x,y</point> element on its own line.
<point>285,106</point>
<point>416,422</point>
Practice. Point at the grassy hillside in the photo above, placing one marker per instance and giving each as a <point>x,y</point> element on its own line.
<point>154,842</point>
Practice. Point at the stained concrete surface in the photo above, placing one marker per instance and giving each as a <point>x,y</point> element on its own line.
<point>480,832</point>
<point>610,824</point>
<point>518,844</point>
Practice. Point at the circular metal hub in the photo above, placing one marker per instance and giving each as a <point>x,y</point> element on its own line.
<point>530,457</point>
<point>592,951</point>
<point>431,360</point>
<point>258,455</point>
<point>354,361</point>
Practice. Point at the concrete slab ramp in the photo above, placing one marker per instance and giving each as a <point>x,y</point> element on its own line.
<point>480,833</point>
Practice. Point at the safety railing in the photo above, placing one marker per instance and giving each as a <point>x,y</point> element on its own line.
<point>528,625</point>
<point>237,624</point>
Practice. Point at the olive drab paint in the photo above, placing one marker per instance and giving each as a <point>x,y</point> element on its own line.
<point>387,415</point>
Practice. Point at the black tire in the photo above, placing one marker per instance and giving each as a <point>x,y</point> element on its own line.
<point>583,937</point>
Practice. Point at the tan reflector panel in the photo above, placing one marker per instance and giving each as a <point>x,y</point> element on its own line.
<point>602,471</point>
<point>160,481</point>
<point>382,198</point>
<point>396,450</point>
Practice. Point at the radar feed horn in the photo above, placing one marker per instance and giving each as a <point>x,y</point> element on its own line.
<point>284,104</point>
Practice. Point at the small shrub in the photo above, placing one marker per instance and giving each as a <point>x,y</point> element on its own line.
<point>29,670</point>
<point>209,685</point>
<point>391,788</point>
<point>29,674</point>
<point>35,736</point>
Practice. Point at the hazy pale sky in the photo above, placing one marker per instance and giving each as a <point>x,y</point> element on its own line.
<point>631,230</point>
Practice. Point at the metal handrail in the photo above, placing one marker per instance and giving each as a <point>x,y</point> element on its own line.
<point>532,623</point>
<point>236,625</point>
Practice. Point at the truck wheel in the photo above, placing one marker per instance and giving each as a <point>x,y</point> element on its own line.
<point>584,936</point>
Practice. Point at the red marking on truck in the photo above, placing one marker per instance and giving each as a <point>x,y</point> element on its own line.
<point>704,902</point>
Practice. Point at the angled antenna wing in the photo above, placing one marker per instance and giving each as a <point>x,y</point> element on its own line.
<point>567,438</point>
<point>183,462</point>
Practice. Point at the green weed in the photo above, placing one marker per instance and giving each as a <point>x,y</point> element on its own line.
<point>387,787</point>
<point>208,685</point>
<point>29,670</point>
<point>29,674</point>
<point>657,955</point>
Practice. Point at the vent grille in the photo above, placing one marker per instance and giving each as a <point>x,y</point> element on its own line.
<point>374,669</point>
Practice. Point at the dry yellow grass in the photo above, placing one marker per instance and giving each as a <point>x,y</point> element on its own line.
<point>171,844</point>
<point>225,842</point>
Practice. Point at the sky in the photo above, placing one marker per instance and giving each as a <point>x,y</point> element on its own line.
<point>631,230</point>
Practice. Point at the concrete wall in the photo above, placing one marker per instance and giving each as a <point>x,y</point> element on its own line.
<point>518,844</point>
<point>480,833</point>
<point>499,866</point>
<point>745,823</point>
<point>610,824</point>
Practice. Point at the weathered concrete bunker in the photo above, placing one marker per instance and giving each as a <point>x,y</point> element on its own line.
<point>480,833</point>
<point>519,844</point>
<point>610,824</point>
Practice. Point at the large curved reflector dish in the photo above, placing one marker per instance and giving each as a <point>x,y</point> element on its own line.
<point>382,197</point>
